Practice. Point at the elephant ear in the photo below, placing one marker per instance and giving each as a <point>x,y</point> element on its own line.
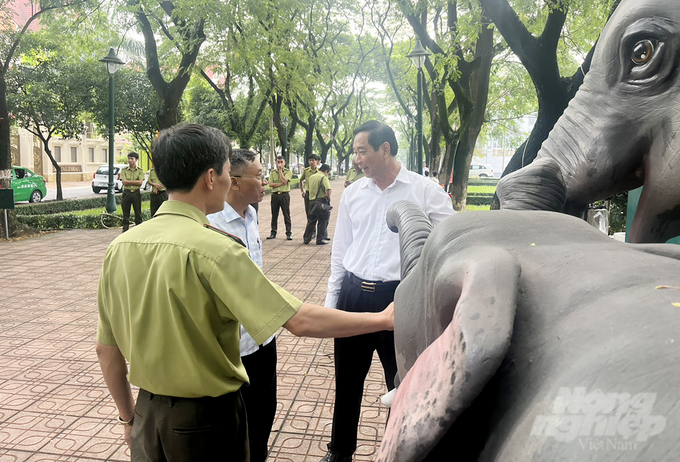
<point>538,186</point>
<point>453,369</point>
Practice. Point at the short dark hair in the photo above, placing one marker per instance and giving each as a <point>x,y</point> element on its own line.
<point>280,158</point>
<point>379,133</point>
<point>240,160</point>
<point>325,168</point>
<point>315,157</point>
<point>184,152</point>
<point>133,154</point>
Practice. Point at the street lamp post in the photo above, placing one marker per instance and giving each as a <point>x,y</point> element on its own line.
<point>419,55</point>
<point>113,63</point>
<point>286,149</point>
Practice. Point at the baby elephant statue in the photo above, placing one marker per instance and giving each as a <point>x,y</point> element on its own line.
<point>531,336</point>
<point>621,130</point>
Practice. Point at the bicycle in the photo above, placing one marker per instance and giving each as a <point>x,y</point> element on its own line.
<point>113,221</point>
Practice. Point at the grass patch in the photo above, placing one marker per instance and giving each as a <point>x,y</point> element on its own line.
<point>146,205</point>
<point>478,207</point>
<point>481,189</point>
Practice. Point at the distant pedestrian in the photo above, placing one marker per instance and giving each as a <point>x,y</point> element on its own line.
<point>279,181</point>
<point>132,178</point>
<point>306,173</point>
<point>319,200</point>
<point>158,192</point>
<point>354,173</point>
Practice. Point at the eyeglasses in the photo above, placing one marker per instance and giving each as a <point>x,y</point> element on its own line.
<point>259,177</point>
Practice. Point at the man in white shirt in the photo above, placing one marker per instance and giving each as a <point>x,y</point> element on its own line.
<point>240,219</point>
<point>366,268</point>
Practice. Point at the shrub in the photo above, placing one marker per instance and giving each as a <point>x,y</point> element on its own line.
<point>71,220</point>
<point>42,208</point>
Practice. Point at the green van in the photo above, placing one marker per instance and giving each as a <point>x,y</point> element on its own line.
<point>27,185</point>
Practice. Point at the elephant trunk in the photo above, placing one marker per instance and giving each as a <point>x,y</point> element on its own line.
<point>413,227</point>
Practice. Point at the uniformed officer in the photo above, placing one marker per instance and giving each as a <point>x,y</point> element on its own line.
<point>306,173</point>
<point>132,178</point>
<point>354,173</point>
<point>319,191</point>
<point>172,295</point>
<point>158,192</point>
<point>279,181</point>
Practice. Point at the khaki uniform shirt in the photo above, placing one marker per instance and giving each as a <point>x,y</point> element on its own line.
<point>353,175</point>
<point>153,178</point>
<point>318,184</point>
<point>132,175</point>
<point>274,178</point>
<point>306,173</point>
<point>171,295</point>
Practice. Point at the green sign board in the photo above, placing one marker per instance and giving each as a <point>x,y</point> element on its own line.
<point>7,199</point>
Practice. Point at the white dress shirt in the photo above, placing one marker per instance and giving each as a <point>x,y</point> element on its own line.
<point>248,231</point>
<point>362,244</point>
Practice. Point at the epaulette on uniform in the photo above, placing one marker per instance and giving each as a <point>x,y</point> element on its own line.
<point>224,233</point>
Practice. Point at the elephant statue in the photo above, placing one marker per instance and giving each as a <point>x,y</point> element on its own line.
<point>621,130</point>
<point>531,336</point>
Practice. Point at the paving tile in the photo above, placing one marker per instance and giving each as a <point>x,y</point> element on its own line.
<point>54,405</point>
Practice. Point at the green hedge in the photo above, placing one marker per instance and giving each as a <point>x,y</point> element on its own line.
<point>46,208</point>
<point>69,221</point>
<point>479,199</point>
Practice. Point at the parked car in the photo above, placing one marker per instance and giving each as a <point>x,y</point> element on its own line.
<point>100,179</point>
<point>480,171</point>
<point>27,185</point>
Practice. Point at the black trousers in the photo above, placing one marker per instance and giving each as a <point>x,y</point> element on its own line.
<point>353,357</point>
<point>174,429</point>
<point>281,201</point>
<point>156,200</point>
<point>321,225</point>
<point>260,399</point>
<point>307,204</point>
<point>133,199</point>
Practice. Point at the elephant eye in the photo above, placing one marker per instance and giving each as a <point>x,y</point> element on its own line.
<point>642,52</point>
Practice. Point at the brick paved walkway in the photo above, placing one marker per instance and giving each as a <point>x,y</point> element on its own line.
<point>54,405</point>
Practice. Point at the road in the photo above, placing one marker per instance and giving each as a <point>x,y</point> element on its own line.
<point>72,190</point>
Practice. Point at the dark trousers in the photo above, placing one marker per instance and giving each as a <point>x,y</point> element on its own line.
<point>281,201</point>
<point>187,429</point>
<point>260,398</point>
<point>321,225</point>
<point>133,199</point>
<point>353,357</point>
<point>307,204</point>
<point>156,200</point>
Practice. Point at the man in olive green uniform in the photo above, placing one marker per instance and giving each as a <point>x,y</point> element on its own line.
<point>172,295</point>
<point>279,181</point>
<point>306,173</point>
<point>158,192</point>
<point>132,178</point>
<point>319,191</point>
<point>354,173</point>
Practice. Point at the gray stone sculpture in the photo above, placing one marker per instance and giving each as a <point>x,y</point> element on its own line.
<point>622,130</point>
<point>531,336</point>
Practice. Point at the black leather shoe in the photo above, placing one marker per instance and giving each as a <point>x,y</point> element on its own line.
<point>322,242</point>
<point>289,237</point>
<point>306,241</point>
<point>272,236</point>
<point>333,456</point>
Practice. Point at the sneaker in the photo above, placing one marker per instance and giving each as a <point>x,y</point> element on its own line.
<point>289,237</point>
<point>322,242</point>
<point>333,456</point>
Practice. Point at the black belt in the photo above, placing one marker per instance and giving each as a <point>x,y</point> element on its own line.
<point>373,286</point>
<point>130,190</point>
<point>280,192</point>
<point>171,400</point>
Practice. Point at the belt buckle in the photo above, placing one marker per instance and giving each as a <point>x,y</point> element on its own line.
<point>368,286</point>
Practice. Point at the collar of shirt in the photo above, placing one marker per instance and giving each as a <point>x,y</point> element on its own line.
<point>401,177</point>
<point>182,208</point>
<point>245,229</point>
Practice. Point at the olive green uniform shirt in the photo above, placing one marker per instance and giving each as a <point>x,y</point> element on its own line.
<point>274,178</point>
<point>317,185</point>
<point>153,178</point>
<point>171,295</point>
<point>353,175</point>
<point>306,173</point>
<point>132,175</point>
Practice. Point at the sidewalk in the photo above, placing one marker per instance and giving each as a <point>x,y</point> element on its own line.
<point>54,405</point>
